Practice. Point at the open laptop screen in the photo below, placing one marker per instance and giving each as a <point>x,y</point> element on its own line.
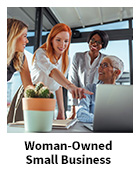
<point>113,108</point>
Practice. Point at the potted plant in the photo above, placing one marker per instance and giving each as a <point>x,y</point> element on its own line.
<point>38,108</point>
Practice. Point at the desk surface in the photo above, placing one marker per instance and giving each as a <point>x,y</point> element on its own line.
<point>77,128</point>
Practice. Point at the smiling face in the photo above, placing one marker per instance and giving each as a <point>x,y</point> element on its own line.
<point>60,43</point>
<point>21,41</point>
<point>95,44</point>
<point>106,72</point>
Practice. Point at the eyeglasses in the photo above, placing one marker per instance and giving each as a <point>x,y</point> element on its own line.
<point>92,41</point>
<point>105,65</point>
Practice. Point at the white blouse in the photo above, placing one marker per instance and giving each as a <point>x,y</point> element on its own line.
<point>91,69</point>
<point>82,72</point>
<point>41,69</point>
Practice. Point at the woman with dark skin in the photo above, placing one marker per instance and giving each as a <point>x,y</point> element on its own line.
<point>84,69</point>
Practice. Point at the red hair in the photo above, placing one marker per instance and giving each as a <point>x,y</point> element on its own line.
<point>49,48</point>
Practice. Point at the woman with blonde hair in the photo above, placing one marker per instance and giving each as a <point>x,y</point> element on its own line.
<point>16,42</point>
<point>50,65</point>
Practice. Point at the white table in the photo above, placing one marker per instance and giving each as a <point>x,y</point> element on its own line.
<point>77,128</point>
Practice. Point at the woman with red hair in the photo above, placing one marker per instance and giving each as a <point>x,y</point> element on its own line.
<point>50,65</point>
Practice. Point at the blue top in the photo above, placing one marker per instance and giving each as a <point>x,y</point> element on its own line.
<point>11,69</point>
<point>85,111</point>
<point>86,105</point>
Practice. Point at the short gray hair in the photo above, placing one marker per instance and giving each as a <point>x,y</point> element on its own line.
<point>116,63</point>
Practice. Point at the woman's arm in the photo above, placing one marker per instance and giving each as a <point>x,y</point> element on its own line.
<point>75,91</point>
<point>60,103</point>
<point>25,74</point>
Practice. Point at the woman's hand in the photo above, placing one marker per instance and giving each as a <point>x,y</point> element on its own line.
<point>77,92</point>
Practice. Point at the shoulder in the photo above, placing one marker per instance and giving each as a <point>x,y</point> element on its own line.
<point>40,51</point>
<point>102,54</point>
<point>79,56</point>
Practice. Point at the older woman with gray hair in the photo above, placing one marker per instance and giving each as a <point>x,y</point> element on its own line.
<point>110,70</point>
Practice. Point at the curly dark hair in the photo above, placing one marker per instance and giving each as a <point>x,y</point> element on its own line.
<point>104,37</point>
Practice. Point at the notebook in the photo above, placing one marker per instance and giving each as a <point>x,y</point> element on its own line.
<point>113,109</point>
<point>57,124</point>
<point>64,124</point>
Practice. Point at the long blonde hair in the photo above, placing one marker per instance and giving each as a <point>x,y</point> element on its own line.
<point>14,30</point>
<point>49,47</point>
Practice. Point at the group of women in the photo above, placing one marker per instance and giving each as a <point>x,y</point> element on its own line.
<point>50,63</point>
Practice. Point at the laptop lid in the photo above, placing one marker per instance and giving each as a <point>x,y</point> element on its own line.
<point>113,108</point>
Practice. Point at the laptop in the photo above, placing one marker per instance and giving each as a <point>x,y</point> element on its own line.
<point>113,110</point>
